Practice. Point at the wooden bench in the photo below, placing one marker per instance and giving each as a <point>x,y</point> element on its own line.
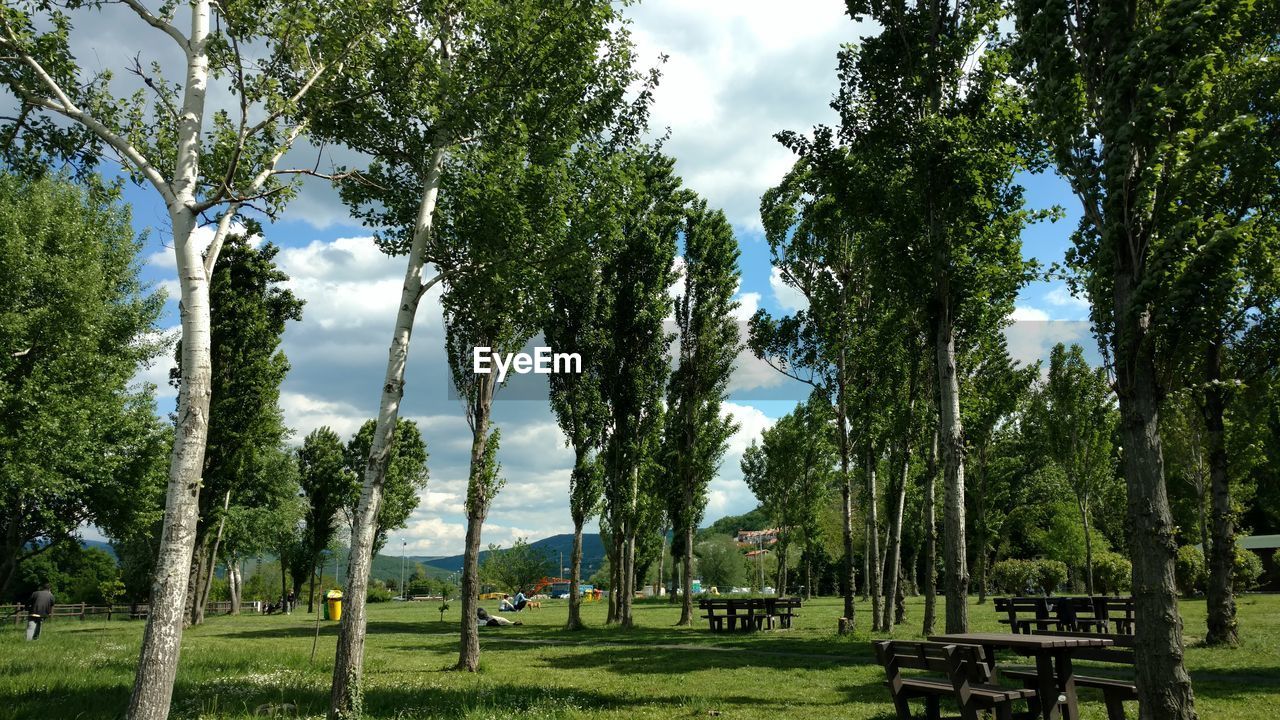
<point>1115,691</point>
<point>967,679</point>
<point>1068,613</point>
<point>1024,614</point>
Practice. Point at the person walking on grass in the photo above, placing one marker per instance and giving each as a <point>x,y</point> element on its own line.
<point>39,607</point>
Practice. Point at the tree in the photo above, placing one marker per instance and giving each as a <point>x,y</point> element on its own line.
<point>406,475</point>
<point>1073,420</point>
<point>327,487</point>
<point>247,369</point>
<point>495,222</point>
<point>996,387</point>
<point>697,433</point>
<point>78,444</point>
<point>216,171</point>
<point>574,322</point>
<point>934,143</point>
<point>1128,100</point>
<point>520,567</point>
<point>791,473</point>
<point>721,563</point>
<point>637,274</point>
<point>811,242</point>
<point>265,517</point>
<point>462,74</point>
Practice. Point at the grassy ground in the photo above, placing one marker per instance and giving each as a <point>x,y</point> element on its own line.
<point>236,667</point>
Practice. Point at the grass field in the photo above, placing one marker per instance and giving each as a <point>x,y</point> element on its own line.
<point>234,667</point>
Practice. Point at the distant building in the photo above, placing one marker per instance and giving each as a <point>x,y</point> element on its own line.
<point>758,537</point>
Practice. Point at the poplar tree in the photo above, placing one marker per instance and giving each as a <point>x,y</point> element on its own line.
<point>444,77</point>
<point>696,432</point>
<point>1129,99</point>
<point>251,310</point>
<point>929,144</point>
<point>636,278</point>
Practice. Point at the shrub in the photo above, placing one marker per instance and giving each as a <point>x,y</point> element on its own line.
<point>1015,577</point>
<point>1112,573</point>
<point>1049,574</point>
<point>1248,570</point>
<point>378,592</point>
<point>1189,570</point>
<point>1011,577</point>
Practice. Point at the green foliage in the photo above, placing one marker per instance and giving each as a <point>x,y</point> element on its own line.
<point>1112,573</point>
<point>696,433</point>
<point>378,592</point>
<point>77,443</point>
<point>406,475</point>
<point>1247,570</point>
<point>517,568</point>
<point>76,574</point>
<point>720,562</point>
<point>793,471</point>
<point>327,486</point>
<point>1190,571</point>
<point>1016,577</point>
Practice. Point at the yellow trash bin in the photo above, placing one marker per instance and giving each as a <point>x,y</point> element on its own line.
<point>334,605</point>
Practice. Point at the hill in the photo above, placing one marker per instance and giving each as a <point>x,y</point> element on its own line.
<point>731,524</point>
<point>555,547</point>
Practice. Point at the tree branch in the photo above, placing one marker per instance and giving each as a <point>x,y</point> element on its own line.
<point>158,23</point>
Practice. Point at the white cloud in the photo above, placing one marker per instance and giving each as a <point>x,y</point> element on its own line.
<point>738,72</point>
<point>1022,314</point>
<point>787,297</point>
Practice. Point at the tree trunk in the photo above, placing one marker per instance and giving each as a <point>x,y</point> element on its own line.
<point>469,647</point>
<point>347,696</point>
<point>1219,595</point>
<point>951,439</point>
<point>930,540</point>
<point>875,585</point>
<point>893,547</point>
<point>162,639</point>
<point>234,583</point>
<point>209,560</point>
<point>846,491</point>
<point>1164,688</point>
<point>477,507</point>
<point>674,581</point>
<point>575,577</point>
<point>614,551</point>
<point>628,576</point>
<point>1083,504</point>
<point>686,602</point>
<point>899,601</point>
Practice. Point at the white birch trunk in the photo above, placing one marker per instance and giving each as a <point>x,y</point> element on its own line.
<point>162,640</point>
<point>346,699</point>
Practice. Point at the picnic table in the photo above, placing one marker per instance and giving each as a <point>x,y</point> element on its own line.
<point>1054,672</point>
<point>1067,613</point>
<point>748,614</point>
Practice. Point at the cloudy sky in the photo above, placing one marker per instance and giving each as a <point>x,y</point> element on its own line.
<point>738,72</point>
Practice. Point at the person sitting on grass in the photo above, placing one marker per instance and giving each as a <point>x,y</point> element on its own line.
<point>493,620</point>
<point>505,605</point>
<point>520,601</point>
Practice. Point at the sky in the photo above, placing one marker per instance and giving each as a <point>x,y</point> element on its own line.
<point>738,72</point>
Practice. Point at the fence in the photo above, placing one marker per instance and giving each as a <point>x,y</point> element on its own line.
<point>84,611</point>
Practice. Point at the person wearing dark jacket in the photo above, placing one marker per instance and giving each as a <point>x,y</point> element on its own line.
<point>39,607</point>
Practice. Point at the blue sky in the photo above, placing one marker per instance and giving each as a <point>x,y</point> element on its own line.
<point>738,72</point>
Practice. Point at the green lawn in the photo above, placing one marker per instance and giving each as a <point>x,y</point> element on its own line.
<point>233,667</point>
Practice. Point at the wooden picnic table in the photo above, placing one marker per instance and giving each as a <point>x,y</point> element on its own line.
<point>1052,654</point>
<point>748,614</point>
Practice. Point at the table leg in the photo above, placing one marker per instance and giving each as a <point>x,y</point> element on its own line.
<point>1067,687</point>
<point>1047,687</point>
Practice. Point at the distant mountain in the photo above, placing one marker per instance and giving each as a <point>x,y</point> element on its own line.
<point>556,547</point>
<point>100,545</point>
